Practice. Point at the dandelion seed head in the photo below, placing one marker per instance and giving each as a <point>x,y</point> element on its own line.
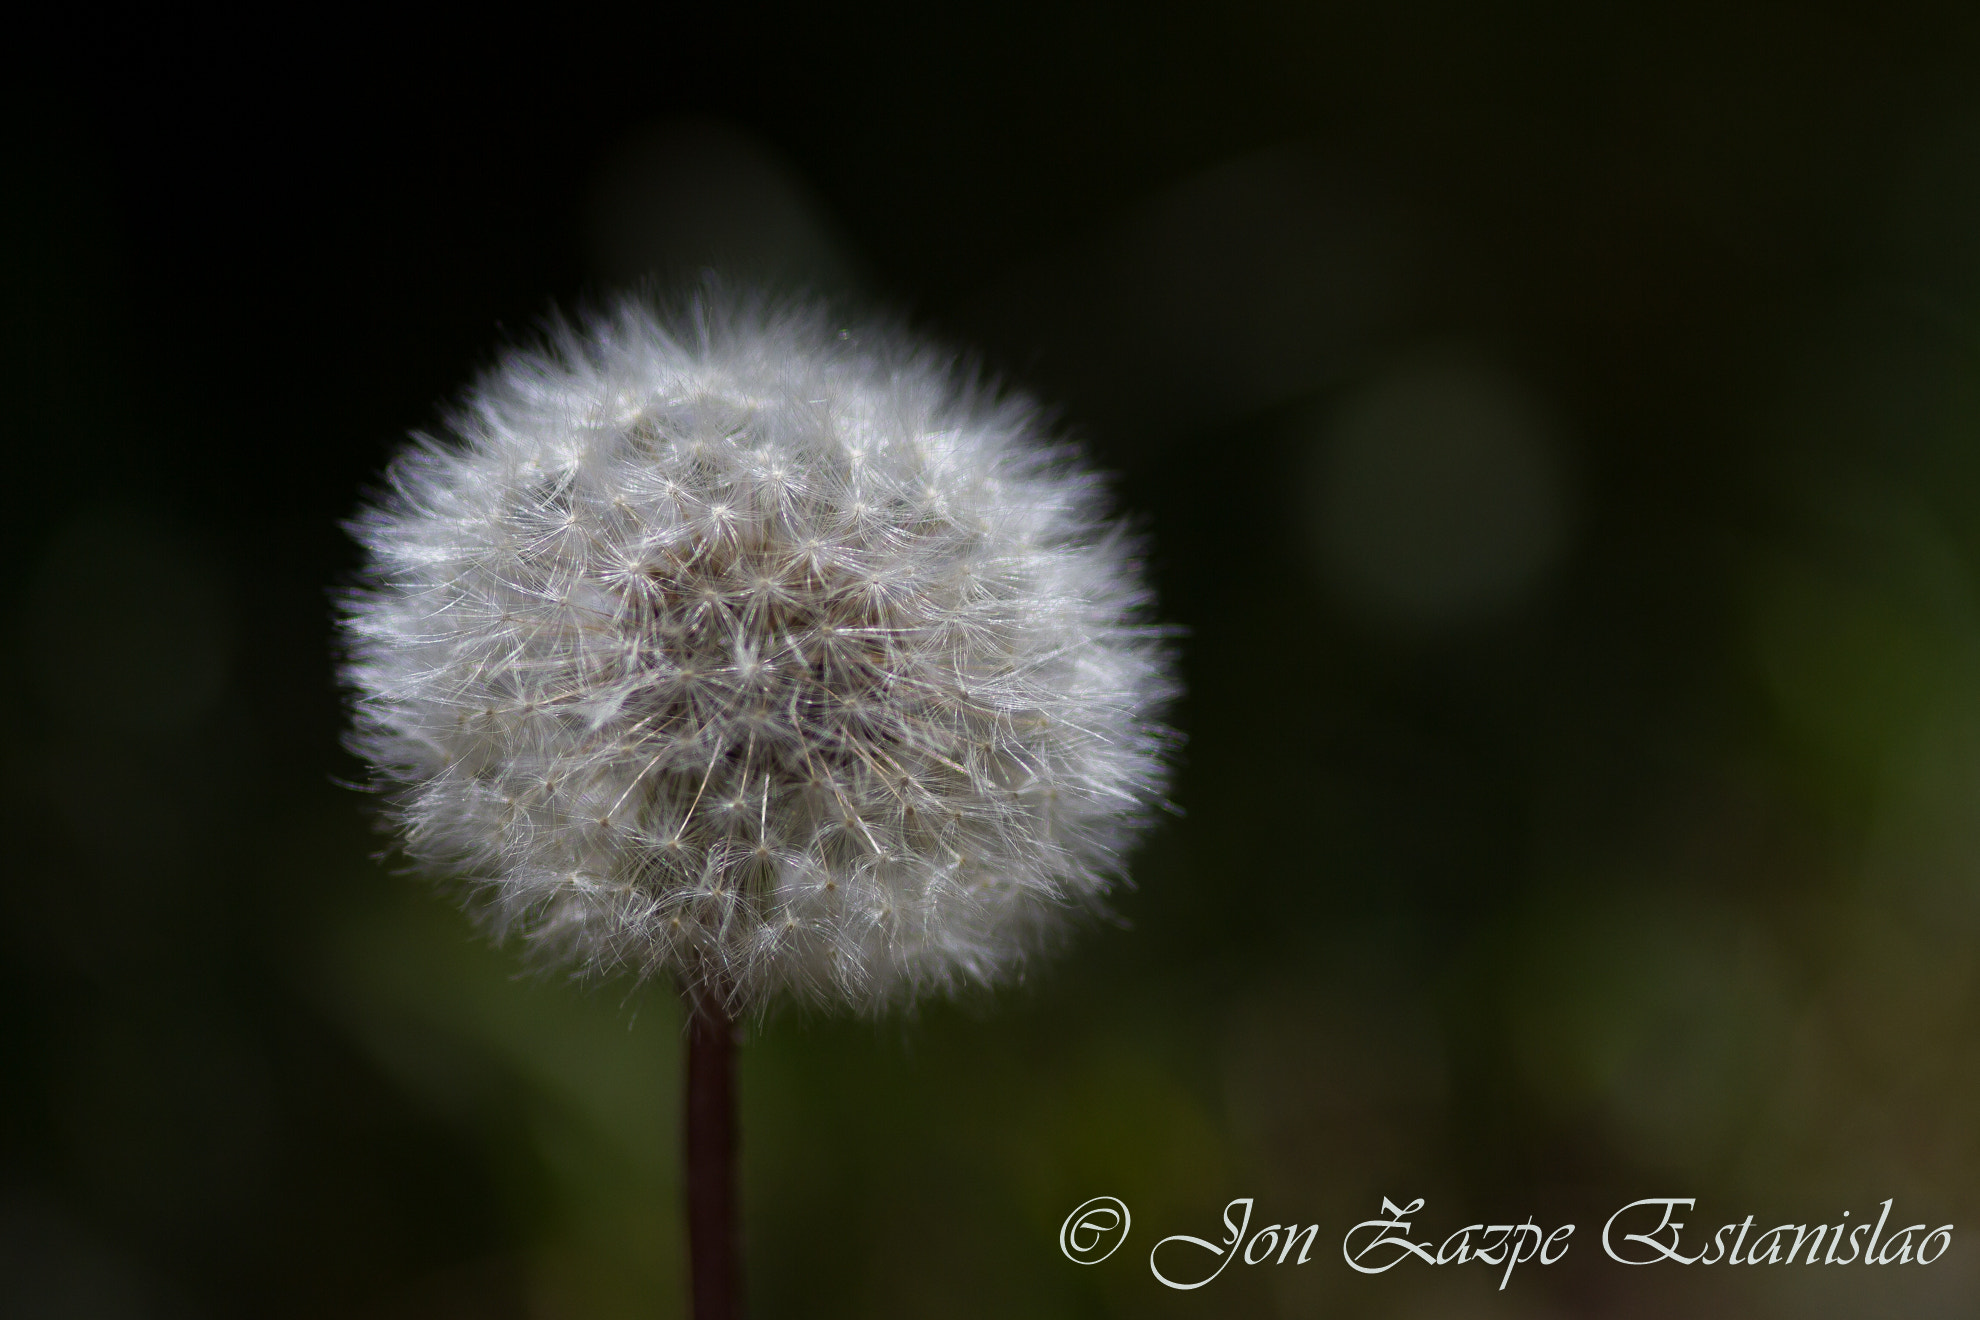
<point>744,650</point>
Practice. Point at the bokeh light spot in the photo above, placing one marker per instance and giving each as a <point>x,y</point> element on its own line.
<point>1437,496</point>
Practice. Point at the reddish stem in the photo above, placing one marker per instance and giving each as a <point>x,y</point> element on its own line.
<point>711,1158</point>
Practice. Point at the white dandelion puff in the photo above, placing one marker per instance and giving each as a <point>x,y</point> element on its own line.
<point>758,654</point>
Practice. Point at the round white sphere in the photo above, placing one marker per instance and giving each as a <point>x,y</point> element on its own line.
<point>747,650</point>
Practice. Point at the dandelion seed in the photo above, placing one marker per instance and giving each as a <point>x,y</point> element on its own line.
<point>799,665</point>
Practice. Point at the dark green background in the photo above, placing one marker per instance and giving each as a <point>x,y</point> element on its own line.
<point>1659,876</point>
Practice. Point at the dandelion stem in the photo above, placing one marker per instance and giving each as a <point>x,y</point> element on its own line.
<point>711,1157</point>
